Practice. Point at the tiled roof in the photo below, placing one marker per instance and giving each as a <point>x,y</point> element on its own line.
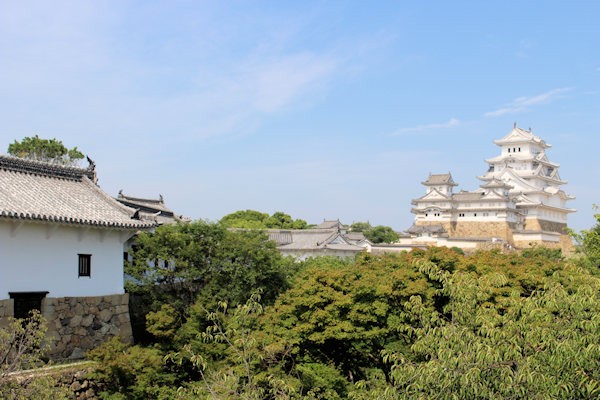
<point>419,229</point>
<point>355,236</point>
<point>439,179</point>
<point>33,190</point>
<point>151,204</point>
<point>151,208</point>
<point>310,239</point>
<point>467,196</point>
<point>330,224</point>
<point>495,183</point>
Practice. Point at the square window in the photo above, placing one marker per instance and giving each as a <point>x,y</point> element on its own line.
<point>85,264</point>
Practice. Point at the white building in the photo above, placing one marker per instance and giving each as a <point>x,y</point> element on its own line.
<point>61,240</point>
<point>520,201</point>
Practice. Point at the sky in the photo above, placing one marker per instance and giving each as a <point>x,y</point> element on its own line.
<point>323,110</point>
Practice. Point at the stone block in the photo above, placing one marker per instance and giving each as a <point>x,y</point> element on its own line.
<point>87,320</point>
<point>105,315</point>
<point>77,354</point>
<point>75,321</point>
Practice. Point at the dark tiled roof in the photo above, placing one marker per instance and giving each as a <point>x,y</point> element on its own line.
<point>33,190</point>
<point>418,229</point>
<point>311,239</point>
<point>330,224</point>
<point>151,208</point>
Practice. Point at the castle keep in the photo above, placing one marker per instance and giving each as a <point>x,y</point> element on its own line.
<point>519,202</point>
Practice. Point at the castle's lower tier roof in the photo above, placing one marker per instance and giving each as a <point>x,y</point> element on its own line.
<point>37,191</point>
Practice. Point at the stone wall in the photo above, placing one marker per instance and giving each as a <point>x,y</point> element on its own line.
<point>78,324</point>
<point>473,229</point>
<point>535,224</point>
<point>470,229</point>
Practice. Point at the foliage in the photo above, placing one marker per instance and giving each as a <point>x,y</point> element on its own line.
<point>381,234</point>
<point>589,245</point>
<point>134,372</point>
<point>251,219</point>
<point>360,226</point>
<point>179,265</point>
<point>22,347</point>
<point>245,364</point>
<point>431,323</point>
<point>376,234</point>
<point>50,150</point>
<point>545,346</point>
<point>344,315</point>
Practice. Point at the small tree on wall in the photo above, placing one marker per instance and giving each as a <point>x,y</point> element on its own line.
<point>49,150</point>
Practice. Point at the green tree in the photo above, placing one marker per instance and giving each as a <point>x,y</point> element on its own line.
<point>360,226</point>
<point>50,150</point>
<point>280,220</point>
<point>544,346</point>
<point>588,241</point>
<point>22,347</point>
<point>381,234</point>
<point>251,219</point>
<point>201,262</point>
<point>245,219</point>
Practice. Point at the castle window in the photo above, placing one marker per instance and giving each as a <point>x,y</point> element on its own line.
<point>519,149</point>
<point>85,265</point>
<point>474,214</point>
<point>509,149</point>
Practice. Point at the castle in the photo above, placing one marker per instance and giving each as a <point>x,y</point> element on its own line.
<point>519,203</point>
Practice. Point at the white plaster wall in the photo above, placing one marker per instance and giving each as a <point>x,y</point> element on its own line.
<point>44,257</point>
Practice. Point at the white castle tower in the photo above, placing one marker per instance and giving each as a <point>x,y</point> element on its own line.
<point>520,200</point>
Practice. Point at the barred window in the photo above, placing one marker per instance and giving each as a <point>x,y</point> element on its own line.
<point>85,264</point>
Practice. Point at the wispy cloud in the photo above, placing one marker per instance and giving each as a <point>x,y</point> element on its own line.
<point>421,128</point>
<point>524,103</point>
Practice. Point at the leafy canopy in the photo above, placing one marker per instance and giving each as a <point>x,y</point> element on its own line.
<point>251,219</point>
<point>588,241</point>
<point>180,265</point>
<point>376,234</point>
<point>49,150</point>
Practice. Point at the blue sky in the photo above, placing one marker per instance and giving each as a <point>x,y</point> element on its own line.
<point>319,109</point>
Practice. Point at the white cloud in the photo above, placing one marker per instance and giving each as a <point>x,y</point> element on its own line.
<point>420,128</point>
<point>275,84</point>
<point>524,103</point>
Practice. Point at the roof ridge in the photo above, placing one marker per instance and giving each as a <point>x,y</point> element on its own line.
<point>26,166</point>
<point>160,200</point>
<point>129,211</point>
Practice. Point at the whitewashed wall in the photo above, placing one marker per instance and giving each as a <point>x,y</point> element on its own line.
<point>44,257</point>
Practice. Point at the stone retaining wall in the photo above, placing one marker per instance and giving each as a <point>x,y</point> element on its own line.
<point>78,324</point>
<point>535,224</point>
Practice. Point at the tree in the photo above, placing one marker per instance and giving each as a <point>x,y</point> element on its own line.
<point>588,241</point>
<point>381,234</point>
<point>360,226</point>
<point>200,263</point>
<point>251,219</point>
<point>22,347</point>
<point>49,150</point>
<point>544,346</point>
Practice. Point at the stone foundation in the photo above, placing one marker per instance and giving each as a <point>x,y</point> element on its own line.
<point>535,224</point>
<point>78,324</point>
<point>470,229</point>
<point>473,229</point>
